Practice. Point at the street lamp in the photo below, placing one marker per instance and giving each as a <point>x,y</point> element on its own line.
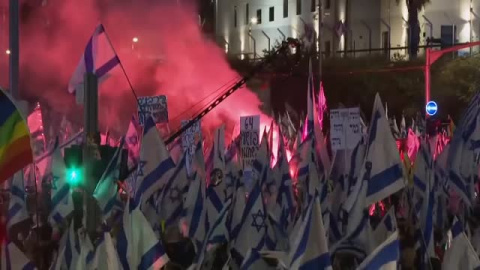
<point>7,51</point>
<point>134,40</point>
<point>254,20</point>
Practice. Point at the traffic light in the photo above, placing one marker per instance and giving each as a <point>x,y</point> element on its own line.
<point>74,176</point>
<point>73,157</point>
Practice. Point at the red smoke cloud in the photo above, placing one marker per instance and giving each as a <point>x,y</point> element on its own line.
<point>171,58</point>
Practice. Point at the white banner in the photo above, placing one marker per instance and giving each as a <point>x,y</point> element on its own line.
<point>155,106</point>
<point>345,128</point>
<point>190,139</point>
<point>250,139</point>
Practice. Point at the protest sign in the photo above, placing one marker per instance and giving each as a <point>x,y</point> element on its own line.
<point>155,106</point>
<point>250,139</point>
<point>345,128</point>
<point>190,139</point>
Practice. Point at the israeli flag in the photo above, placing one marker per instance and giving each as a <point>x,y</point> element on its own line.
<point>106,192</point>
<point>386,227</point>
<point>441,188</point>
<point>285,203</point>
<point>98,58</point>
<point>86,248</point>
<point>17,209</point>
<point>105,256</point>
<point>464,147</point>
<point>69,250</point>
<point>194,215</point>
<point>310,247</point>
<point>171,197</point>
<point>424,195</point>
<point>382,159</point>
<point>218,234</point>
<point>261,168</point>
<point>254,261</point>
<point>461,254</point>
<point>14,259</point>
<point>251,231</point>
<point>62,203</point>
<point>132,142</point>
<point>194,212</point>
<point>155,166</point>
<point>137,244</point>
<point>385,256</point>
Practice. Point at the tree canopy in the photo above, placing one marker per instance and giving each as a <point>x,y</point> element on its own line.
<point>355,81</point>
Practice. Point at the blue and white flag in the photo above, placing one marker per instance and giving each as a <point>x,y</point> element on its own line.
<point>464,151</point>
<point>461,254</point>
<point>17,209</point>
<point>14,259</point>
<point>285,204</point>
<point>155,166</point>
<point>403,128</point>
<point>105,256</point>
<point>215,168</point>
<point>424,198</point>
<point>137,244</point>
<point>194,213</point>
<point>106,191</point>
<point>310,247</point>
<point>69,250</point>
<point>217,235</point>
<point>172,195</point>
<point>98,58</point>
<point>380,176</point>
<point>254,261</point>
<point>252,229</point>
<point>382,161</point>
<point>62,203</point>
<point>442,191</point>
<point>386,227</point>
<point>385,256</point>
<point>132,142</point>
<point>86,248</point>
<point>216,159</point>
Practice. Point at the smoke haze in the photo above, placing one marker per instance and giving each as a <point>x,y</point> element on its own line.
<point>171,57</point>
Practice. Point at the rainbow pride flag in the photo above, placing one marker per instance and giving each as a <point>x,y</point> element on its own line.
<point>15,148</point>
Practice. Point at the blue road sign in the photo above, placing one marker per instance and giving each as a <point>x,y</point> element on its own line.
<point>431,108</point>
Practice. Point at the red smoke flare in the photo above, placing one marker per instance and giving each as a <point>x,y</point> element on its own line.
<point>170,57</point>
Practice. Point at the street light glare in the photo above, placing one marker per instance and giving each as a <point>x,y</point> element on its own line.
<point>254,20</point>
<point>135,39</point>
<point>7,51</point>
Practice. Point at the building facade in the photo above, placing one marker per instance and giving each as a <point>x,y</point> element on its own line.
<point>247,28</point>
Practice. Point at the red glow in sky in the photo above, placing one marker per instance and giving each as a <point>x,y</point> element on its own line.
<point>170,57</point>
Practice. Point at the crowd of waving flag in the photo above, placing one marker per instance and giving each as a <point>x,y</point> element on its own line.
<point>311,209</point>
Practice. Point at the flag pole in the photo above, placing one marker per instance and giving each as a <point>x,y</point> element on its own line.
<point>123,70</point>
<point>320,56</point>
<point>14,13</point>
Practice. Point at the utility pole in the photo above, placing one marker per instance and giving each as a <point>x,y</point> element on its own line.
<point>320,28</point>
<point>14,25</point>
<point>91,210</point>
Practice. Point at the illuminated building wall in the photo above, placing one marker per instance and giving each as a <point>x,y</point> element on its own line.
<point>368,23</point>
<point>236,20</point>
